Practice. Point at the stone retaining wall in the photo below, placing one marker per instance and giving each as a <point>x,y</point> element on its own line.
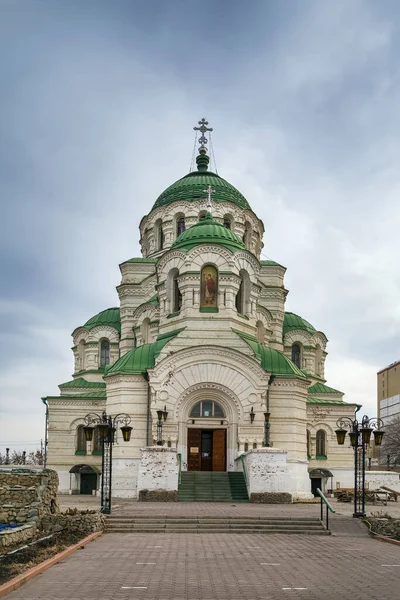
<point>27,494</point>
<point>271,498</point>
<point>17,536</point>
<point>73,521</point>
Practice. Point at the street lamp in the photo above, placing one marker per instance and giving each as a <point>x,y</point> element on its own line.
<point>106,426</point>
<point>360,435</point>
<point>161,417</point>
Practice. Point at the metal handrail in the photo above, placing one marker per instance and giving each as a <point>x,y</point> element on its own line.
<point>244,470</point>
<point>179,457</point>
<point>328,507</point>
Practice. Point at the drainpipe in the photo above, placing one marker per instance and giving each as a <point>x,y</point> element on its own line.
<point>44,400</point>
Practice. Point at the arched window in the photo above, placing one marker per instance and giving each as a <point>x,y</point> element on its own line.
<point>239,299</point>
<point>80,439</point>
<point>318,360</point>
<point>180,226</point>
<point>247,235</point>
<point>242,297</point>
<point>177,295</point>
<point>308,445</point>
<point>159,234</point>
<point>260,332</point>
<point>104,353</point>
<point>296,355</point>
<point>321,444</point>
<point>81,355</point>
<point>202,215</point>
<point>145,330</point>
<point>207,408</point>
<point>227,222</point>
<point>209,287</point>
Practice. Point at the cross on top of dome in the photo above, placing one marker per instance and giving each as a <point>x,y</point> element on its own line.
<point>202,139</point>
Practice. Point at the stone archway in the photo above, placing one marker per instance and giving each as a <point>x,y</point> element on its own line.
<point>214,434</point>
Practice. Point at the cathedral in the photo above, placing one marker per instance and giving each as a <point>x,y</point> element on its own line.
<point>201,357</point>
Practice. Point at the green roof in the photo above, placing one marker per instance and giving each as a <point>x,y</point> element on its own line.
<point>321,388</point>
<point>82,383</point>
<point>332,402</point>
<point>110,317</point>
<point>138,360</point>
<point>292,321</point>
<point>192,187</point>
<point>270,263</point>
<point>141,259</point>
<point>99,394</point>
<point>208,231</point>
<point>272,361</point>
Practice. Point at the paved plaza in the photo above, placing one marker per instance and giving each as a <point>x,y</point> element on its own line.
<point>349,565</point>
<point>226,566</point>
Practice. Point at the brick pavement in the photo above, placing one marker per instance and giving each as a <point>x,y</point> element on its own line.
<point>222,567</point>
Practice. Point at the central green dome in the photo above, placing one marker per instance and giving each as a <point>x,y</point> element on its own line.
<point>193,185</point>
<point>208,231</point>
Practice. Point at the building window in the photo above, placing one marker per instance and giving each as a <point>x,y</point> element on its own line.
<point>247,235</point>
<point>104,353</point>
<point>145,329</point>
<point>80,440</point>
<point>159,235</point>
<point>239,299</point>
<point>308,445</point>
<point>207,408</point>
<point>202,215</point>
<point>177,296</point>
<point>296,355</point>
<point>260,332</point>
<point>180,226</point>
<point>227,222</point>
<point>318,360</point>
<point>321,444</point>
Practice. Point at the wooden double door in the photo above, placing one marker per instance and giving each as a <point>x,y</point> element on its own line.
<point>206,449</point>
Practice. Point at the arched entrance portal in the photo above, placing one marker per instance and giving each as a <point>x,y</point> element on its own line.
<point>86,479</point>
<point>207,438</point>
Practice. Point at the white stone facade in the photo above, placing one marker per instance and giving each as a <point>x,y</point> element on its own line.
<point>224,355</point>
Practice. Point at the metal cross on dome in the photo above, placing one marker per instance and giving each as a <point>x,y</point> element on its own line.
<point>203,129</point>
<point>209,191</point>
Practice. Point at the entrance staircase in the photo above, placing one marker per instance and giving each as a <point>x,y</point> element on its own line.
<point>209,486</point>
<point>163,524</point>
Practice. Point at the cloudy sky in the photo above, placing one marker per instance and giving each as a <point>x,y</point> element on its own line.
<point>98,103</point>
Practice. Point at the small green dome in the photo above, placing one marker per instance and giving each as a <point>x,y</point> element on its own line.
<point>292,321</point>
<point>110,317</point>
<point>208,231</point>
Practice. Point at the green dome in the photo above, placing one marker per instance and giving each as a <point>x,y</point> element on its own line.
<point>292,321</point>
<point>208,231</point>
<point>110,317</point>
<point>193,185</point>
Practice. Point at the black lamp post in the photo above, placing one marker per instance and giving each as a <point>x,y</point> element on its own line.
<point>106,426</point>
<point>360,435</point>
<point>267,428</point>
<point>161,417</point>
